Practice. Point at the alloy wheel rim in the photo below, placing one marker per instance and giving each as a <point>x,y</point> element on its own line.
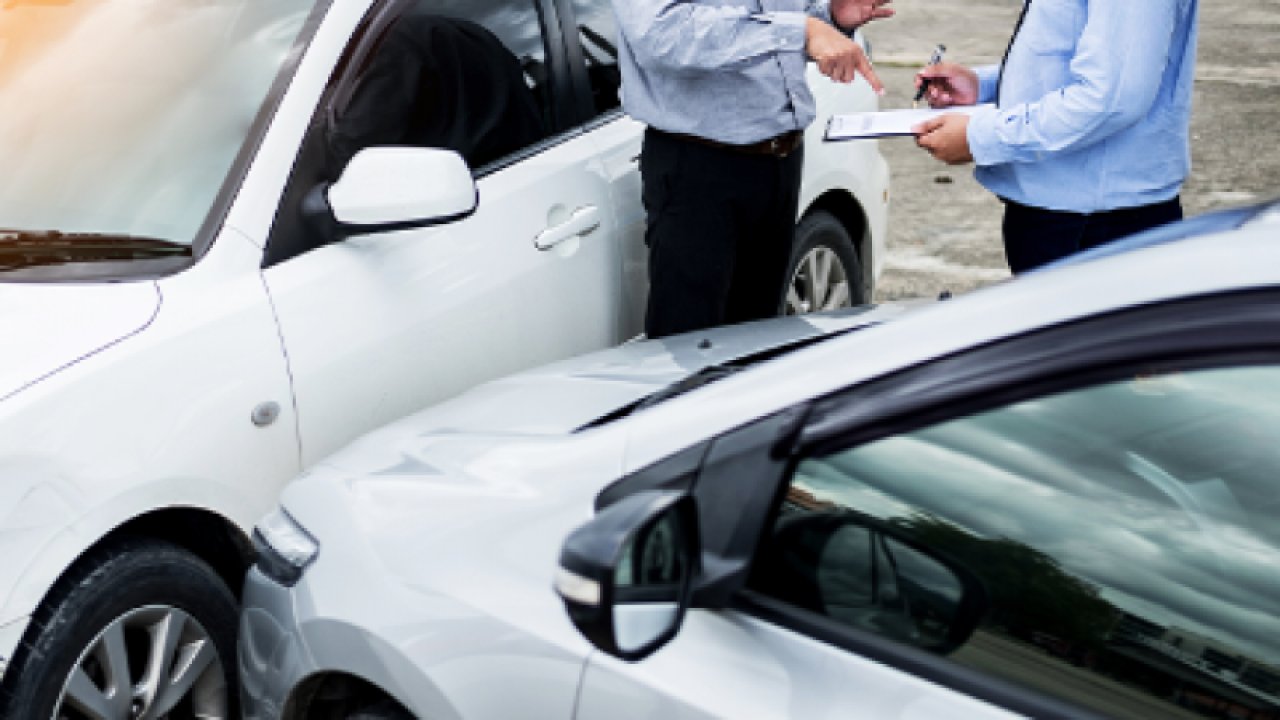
<point>151,663</point>
<point>818,283</point>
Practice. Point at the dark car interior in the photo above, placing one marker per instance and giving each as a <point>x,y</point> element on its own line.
<point>440,82</point>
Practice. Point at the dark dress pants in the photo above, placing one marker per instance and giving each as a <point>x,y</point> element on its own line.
<point>720,228</point>
<point>1034,236</point>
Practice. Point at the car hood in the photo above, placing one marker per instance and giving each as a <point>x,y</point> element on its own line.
<point>560,398</point>
<point>500,471</point>
<point>49,327</point>
<point>565,396</point>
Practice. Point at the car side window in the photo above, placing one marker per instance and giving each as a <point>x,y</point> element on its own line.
<point>1116,546</point>
<point>598,36</point>
<point>466,76</point>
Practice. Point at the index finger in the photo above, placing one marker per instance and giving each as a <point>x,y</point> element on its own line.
<point>863,64</point>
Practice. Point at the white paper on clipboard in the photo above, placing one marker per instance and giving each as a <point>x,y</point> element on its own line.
<point>888,123</point>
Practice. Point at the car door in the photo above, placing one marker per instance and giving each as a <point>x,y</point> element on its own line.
<point>739,662</point>
<point>1077,523</point>
<point>591,32</point>
<point>381,324</point>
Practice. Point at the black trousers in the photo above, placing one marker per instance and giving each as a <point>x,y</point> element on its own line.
<point>720,231</point>
<point>1034,236</point>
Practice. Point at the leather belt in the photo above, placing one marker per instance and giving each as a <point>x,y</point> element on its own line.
<point>778,146</point>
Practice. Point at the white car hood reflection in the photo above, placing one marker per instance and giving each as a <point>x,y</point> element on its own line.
<point>46,328</point>
<point>558,399</point>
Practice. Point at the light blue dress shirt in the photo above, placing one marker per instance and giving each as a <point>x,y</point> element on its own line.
<point>727,70</point>
<point>1095,106</point>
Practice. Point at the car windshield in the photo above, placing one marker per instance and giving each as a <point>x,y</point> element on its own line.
<point>121,119</point>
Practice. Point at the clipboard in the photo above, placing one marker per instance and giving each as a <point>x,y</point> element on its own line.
<point>888,123</point>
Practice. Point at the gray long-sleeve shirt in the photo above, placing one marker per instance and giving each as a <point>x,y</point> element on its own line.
<point>727,70</point>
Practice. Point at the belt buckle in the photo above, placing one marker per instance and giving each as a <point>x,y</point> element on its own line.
<point>774,145</point>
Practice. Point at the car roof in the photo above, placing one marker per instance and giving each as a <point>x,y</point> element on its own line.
<point>1246,258</point>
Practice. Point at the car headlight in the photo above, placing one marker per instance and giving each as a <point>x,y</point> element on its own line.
<point>284,548</point>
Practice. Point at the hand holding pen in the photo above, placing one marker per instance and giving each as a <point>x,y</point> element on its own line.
<point>923,83</point>
<point>946,84</point>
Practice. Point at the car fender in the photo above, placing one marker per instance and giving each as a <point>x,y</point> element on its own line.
<point>42,537</point>
<point>45,535</point>
<point>164,419</point>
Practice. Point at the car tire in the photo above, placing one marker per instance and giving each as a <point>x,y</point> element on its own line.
<point>825,273</point>
<point>142,616</point>
<point>384,710</point>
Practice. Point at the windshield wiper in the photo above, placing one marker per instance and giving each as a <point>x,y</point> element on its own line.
<point>32,248</point>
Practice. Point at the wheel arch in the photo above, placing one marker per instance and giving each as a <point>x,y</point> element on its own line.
<point>335,692</point>
<point>205,533</point>
<point>209,536</point>
<point>846,208</point>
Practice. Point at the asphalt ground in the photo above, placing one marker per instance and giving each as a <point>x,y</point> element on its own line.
<point>944,228</point>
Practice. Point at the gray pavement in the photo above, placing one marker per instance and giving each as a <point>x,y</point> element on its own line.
<point>944,229</point>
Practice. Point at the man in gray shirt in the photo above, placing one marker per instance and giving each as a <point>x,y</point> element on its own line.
<point>721,85</point>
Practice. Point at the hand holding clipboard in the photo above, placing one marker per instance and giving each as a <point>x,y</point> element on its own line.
<point>888,123</point>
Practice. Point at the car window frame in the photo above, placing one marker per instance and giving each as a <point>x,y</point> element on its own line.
<point>576,63</point>
<point>288,225</point>
<point>559,85</point>
<point>1224,330</point>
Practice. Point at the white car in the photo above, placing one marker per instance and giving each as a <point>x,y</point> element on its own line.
<point>236,234</point>
<point>1058,498</point>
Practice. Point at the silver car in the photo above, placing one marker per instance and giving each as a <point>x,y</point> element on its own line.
<point>1057,497</point>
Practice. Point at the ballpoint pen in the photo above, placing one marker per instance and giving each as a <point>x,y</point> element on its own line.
<point>924,82</point>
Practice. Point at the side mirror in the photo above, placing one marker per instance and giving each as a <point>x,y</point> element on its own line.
<point>393,188</point>
<point>625,576</point>
<point>872,575</point>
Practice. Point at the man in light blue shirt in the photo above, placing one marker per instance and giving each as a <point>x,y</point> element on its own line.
<point>1089,139</point>
<point>721,85</point>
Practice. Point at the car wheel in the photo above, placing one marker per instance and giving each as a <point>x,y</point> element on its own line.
<point>825,273</point>
<point>143,630</point>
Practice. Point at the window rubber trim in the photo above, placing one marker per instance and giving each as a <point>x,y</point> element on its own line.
<point>576,63</point>
<point>1241,327</point>
<point>584,115</point>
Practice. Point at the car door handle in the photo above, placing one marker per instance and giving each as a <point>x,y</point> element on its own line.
<point>582,221</point>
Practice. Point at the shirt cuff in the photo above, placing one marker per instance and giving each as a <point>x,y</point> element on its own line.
<point>984,138</point>
<point>821,9</point>
<point>788,28</point>
<point>988,78</point>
